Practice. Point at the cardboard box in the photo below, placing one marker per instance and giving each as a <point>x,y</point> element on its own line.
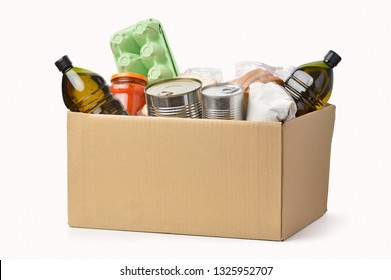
<point>258,180</point>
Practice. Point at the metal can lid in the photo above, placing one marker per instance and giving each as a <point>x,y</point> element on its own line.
<point>173,87</point>
<point>222,90</point>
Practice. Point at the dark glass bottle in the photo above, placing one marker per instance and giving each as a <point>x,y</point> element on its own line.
<point>311,84</point>
<point>87,92</point>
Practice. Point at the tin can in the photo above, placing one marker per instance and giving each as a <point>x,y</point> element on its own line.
<point>178,97</point>
<point>223,101</point>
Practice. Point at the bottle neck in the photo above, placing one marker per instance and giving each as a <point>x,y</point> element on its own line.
<point>67,69</point>
<point>329,63</point>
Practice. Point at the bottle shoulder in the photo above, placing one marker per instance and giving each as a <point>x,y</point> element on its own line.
<point>315,64</point>
<point>84,75</point>
<point>79,70</point>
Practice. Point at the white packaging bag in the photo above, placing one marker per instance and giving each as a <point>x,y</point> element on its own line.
<point>270,102</point>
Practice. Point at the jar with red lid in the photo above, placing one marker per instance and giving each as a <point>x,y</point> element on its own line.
<point>129,89</point>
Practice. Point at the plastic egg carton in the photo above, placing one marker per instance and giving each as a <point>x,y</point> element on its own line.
<point>143,48</point>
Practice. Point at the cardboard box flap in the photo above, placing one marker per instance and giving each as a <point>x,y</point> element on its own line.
<point>305,171</point>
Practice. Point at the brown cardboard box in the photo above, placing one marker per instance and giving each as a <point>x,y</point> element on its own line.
<point>258,180</point>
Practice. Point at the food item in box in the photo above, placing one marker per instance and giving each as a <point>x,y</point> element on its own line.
<point>85,91</point>
<point>179,97</point>
<point>270,102</point>
<point>129,89</point>
<point>143,48</point>
<point>257,75</point>
<point>206,81</point>
<point>207,76</point>
<point>311,84</point>
<point>252,76</point>
<point>222,101</point>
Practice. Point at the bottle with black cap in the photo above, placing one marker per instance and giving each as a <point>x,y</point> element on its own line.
<point>87,92</point>
<point>311,84</point>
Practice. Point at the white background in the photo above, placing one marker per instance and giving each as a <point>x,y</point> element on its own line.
<point>33,174</point>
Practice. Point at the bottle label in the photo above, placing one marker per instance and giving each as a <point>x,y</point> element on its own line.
<point>298,83</point>
<point>303,77</point>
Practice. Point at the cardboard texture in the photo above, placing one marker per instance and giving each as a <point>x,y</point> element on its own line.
<point>258,180</point>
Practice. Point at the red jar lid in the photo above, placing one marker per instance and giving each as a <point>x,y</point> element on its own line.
<point>129,75</point>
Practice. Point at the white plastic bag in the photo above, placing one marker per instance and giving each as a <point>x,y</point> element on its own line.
<point>244,67</point>
<point>207,76</point>
<point>270,102</point>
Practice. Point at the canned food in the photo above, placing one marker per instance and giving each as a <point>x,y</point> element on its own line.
<point>178,97</point>
<point>223,101</point>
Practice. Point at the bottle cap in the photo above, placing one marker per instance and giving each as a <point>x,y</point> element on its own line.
<point>129,75</point>
<point>64,63</point>
<point>332,59</point>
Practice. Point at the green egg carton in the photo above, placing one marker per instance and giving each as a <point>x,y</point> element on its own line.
<point>143,48</point>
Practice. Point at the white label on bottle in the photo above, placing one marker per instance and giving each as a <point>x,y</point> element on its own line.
<point>296,86</point>
<point>304,77</point>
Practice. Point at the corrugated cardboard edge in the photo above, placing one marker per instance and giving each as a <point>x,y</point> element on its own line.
<point>73,128</point>
<point>306,143</point>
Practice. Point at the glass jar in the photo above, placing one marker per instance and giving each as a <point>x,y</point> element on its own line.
<point>129,89</point>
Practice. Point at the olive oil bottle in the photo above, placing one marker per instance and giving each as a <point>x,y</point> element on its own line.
<point>87,92</point>
<point>311,84</point>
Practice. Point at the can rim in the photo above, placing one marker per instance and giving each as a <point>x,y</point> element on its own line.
<point>222,84</point>
<point>171,80</point>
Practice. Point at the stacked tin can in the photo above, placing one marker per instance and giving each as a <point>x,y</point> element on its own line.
<point>223,101</point>
<point>178,97</point>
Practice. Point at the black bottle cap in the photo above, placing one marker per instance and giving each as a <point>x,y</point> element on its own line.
<point>332,59</point>
<point>64,63</point>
